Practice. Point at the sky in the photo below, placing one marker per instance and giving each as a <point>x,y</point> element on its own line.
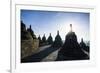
<point>46,22</point>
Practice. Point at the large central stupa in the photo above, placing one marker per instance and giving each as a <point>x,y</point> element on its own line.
<point>71,49</point>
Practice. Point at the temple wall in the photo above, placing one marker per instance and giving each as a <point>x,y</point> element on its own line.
<point>29,47</point>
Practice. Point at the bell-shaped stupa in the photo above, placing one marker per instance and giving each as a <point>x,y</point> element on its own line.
<point>71,49</point>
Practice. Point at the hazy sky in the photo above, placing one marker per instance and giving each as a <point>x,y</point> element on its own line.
<point>45,22</point>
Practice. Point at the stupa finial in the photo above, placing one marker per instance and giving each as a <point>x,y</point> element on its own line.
<point>71,27</point>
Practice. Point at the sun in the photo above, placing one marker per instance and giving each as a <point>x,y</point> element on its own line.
<point>77,27</point>
<point>68,26</point>
<point>65,27</point>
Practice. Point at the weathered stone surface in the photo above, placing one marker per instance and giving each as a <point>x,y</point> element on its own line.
<point>50,40</point>
<point>28,44</point>
<point>31,32</point>
<point>58,41</point>
<point>28,47</point>
<point>84,46</point>
<point>71,49</point>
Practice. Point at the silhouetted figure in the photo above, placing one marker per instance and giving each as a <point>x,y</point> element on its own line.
<point>71,50</point>
<point>58,41</point>
<point>50,40</point>
<point>31,32</point>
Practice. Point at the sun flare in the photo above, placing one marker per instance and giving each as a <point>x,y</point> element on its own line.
<point>64,28</point>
